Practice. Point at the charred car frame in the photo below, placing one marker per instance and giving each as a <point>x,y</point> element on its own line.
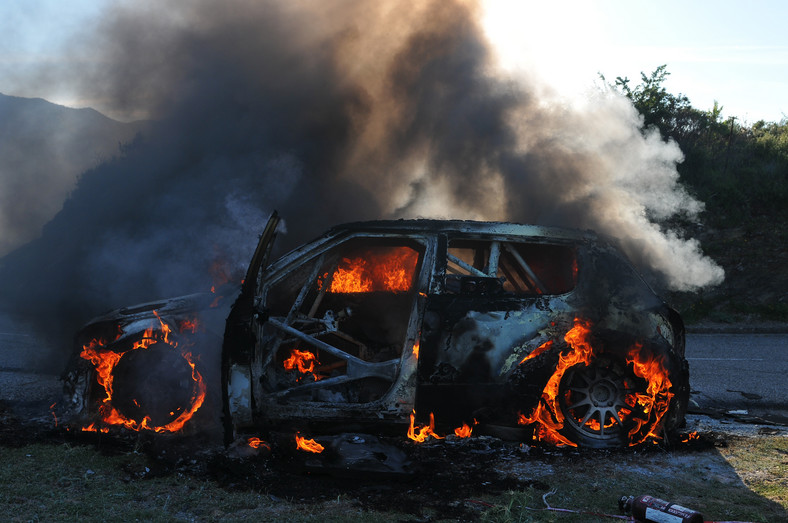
<point>546,334</point>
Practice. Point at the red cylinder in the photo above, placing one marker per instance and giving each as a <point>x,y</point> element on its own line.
<point>648,509</point>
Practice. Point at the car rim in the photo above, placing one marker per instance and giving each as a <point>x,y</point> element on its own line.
<point>592,400</point>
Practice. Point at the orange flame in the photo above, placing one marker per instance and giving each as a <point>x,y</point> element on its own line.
<point>105,361</point>
<point>465,431</point>
<point>391,271</point>
<point>691,436</point>
<point>304,361</point>
<point>308,445</point>
<point>423,432</point>
<point>216,300</point>
<point>537,351</point>
<point>256,443</point>
<point>350,277</point>
<point>416,349</point>
<point>656,401</point>
<point>92,428</point>
<point>546,414</point>
<point>191,326</point>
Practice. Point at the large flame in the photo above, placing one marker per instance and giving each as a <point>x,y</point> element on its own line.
<point>643,410</point>
<point>105,361</point>
<point>388,270</point>
<point>656,401</point>
<point>350,277</point>
<point>547,415</point>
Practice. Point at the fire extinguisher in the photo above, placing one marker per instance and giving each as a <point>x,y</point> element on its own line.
<point>648,509</point>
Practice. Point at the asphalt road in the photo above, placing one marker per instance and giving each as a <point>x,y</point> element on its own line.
<point>24,387</point>
<point>739,372</point>
<point>747,373</point>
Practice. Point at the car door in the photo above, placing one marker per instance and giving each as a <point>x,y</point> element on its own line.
<point>339,329</point>
<point>496,296</point>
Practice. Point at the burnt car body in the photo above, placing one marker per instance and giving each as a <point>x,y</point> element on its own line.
<point>548,332</point>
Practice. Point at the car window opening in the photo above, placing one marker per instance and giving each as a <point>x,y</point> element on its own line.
<point>339,323</point>
<point>522,268</point>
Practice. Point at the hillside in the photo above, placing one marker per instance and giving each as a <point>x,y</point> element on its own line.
<point>44,147</point>
<point>754,255</point>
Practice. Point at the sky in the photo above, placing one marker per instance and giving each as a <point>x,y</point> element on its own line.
<point>732,52</point>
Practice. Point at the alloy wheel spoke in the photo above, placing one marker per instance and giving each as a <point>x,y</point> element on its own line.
<point>581,403</point>
<point>588,416</point>
<point>614,413</point>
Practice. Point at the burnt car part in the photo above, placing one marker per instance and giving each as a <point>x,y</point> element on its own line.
<point>351,319</point>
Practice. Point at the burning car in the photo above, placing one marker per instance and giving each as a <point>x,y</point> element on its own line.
<point>544,334</point>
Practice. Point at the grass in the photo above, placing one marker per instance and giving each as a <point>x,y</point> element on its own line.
<point>43,482</point>
<point>745,480</point>
<point>763,466</point>
<point>65,483</point>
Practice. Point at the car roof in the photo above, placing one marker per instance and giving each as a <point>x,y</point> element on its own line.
<point>468,227</point>
<point>465,228</point>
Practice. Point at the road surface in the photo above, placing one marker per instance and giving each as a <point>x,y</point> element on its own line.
<point>740,372</point>
<point>24,387</point>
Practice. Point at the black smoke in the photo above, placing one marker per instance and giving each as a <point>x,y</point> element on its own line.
<point>329,112</point>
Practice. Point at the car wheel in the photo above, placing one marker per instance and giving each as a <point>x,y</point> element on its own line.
<point>595,401</point>
<point>156,383</point>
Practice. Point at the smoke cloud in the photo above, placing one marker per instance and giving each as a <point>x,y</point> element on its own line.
<point>331,111</point>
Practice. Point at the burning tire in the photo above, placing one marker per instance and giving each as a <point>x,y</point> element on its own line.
<point>600,395</point>
<point>615,401</point>
<point>152,384</point>
<point>155,383</point>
